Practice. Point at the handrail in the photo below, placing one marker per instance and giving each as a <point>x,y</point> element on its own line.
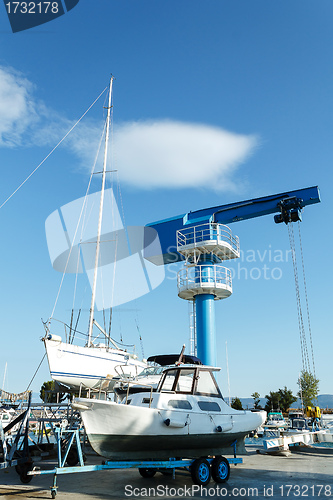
<point>205,233</point>
<point>135,382</point>
<point>204,275</point>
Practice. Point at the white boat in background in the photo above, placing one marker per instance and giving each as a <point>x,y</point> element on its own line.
<point>151,375</point>
<point>76,366</point>
<point>275,423</point>
<point>185,417</point>
<point>7,415</point>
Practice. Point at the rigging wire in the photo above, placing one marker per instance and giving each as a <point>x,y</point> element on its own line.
<point>77,226</point>
<point>36,372</point>
<point>55,147</point>
<point>140,337</point>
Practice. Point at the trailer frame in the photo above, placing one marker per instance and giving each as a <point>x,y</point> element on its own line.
<point>72,437</point>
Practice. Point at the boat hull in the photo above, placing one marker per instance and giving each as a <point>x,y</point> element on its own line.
<point>76,366</point>
<point>124,432</point>
<point>122,447</point>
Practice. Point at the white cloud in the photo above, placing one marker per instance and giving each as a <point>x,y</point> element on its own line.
<point>149,154</point>
<point>25,120</point>
<point>175,154</point>
<point>17,106</point>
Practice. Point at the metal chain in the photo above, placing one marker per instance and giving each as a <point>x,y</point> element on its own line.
<point>306,300</point>
<point>304,349</point>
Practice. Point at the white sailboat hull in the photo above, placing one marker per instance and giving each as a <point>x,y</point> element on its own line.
<point>76,366</point>
<point>122,431</point>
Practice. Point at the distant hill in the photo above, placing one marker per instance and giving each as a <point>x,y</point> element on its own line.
<point>324,401</point>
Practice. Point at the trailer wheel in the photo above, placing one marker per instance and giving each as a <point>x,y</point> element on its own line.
<point>25,479</point>
<point>200,472</point>
<point>72,458</point>
<point>147,473</point>
<point>220,469</point>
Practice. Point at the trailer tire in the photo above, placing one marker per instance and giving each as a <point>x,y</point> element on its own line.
<point>200,471</point>
<point>147,473</point>
<point>220,469</point>
<point>24,478</point>
<point>72,458</point>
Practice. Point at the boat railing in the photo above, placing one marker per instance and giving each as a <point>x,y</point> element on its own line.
<point>55,329</point>
<point>120,370</point>
<point>136,383</point>
<point>94,393</point>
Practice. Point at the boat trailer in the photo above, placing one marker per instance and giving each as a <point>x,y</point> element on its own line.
<point>201,469</point>
<point>14,449</point>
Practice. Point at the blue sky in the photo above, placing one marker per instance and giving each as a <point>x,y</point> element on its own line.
<point>255,76</point>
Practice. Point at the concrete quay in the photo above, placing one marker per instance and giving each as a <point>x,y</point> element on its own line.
<point>305,472</point>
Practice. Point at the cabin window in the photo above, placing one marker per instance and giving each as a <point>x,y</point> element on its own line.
<point>208,406</point>
<point>128,402</point>
<point>146,401</point>
<point>181,404</point>
<point>169,380</point>
<point>207,385</point>
<point>185,380</point>
<point>178,380</point>
<point>298,424</point>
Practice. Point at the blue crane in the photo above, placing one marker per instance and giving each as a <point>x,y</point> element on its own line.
<point>204,242</point>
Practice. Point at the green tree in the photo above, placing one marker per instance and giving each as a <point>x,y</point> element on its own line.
<point>48,393</point>
<point>236,404</point>
<point>256,397</point>
<point>272,401</point>
<point>286,399</point>
<point>308,388</point>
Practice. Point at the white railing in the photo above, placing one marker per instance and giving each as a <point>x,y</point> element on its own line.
<point>204,276</point>
<point>202,234</point>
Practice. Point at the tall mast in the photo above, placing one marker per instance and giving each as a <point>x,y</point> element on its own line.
<point>98,241</point>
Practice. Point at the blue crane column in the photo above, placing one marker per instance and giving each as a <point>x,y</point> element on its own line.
<point>204,280</point>
<point>205,328</point>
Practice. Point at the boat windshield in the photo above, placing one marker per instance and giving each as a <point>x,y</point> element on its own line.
<point>178,380</point>
<point>206,384</point>
<point>298,423</point>
<point>275,416</point>
<point>151,370</point>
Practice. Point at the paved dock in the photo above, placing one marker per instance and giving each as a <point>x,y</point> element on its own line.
<point>304,473</point>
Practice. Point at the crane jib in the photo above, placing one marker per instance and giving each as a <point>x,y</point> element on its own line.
<point>286,205</point>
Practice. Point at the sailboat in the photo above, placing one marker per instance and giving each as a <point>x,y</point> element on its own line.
<point>88,366</point>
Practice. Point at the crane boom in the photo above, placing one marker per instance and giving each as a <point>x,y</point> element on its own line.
<point>287,205</point>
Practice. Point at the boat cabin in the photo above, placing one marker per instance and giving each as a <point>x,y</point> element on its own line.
<point>195,379</point>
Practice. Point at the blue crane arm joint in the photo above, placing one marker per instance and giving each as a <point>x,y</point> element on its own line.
<point>226,214</point>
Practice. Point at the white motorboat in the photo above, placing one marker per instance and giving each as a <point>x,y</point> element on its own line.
<point>73,365</point>
<point>185,417</point>
<point>7,415</point>
<point>275,420</point>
